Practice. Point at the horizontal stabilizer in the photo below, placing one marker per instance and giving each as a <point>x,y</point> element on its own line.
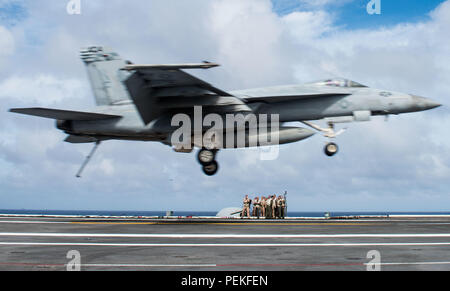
<point>63,114</point>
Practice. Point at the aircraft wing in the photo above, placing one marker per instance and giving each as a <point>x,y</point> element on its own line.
<point>63,114</point>
<point>289,93</point>
<point>274,99</point>
<point>157,89</point>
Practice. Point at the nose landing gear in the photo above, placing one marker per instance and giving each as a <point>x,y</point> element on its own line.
<point>331,149</point>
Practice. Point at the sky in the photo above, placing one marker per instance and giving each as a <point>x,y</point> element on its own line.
<point>352,14</point>
<point>399,165</point>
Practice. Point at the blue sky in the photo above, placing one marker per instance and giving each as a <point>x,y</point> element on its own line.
<point>11,13</point>
<point>350,13</point>
<point>353,14</point>
<point>400,165</point>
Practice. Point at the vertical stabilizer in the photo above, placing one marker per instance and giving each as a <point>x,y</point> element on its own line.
<point>105,74</point>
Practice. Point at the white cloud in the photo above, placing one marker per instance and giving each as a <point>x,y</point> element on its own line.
<point>306,26</point>
<point>256,47</point>
<point>107,167</point>
<point>45,90</point>
<point>248,37</point>
<point>6,44</point>
<point>322,3</point>
<point>406,57</point>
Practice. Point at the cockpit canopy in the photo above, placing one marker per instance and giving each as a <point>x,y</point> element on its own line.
<point>345,83</point>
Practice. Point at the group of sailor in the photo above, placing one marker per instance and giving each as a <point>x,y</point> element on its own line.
<point>271,207</point>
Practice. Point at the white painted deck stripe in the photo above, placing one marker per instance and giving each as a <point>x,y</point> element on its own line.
<point>224,244</point>
<point>216,236</point>
<point>34,222</point>
<point>281,265</point>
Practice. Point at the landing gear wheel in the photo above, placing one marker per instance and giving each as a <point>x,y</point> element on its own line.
<point>211,168</point>
<point>331,149</point>
<point>206,157</point>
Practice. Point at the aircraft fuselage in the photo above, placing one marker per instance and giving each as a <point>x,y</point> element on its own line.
<point>364,101</point>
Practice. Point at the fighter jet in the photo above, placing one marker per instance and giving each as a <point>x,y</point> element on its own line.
<point>139,103</point>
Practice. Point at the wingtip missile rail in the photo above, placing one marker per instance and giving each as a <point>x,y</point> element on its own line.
<point>204,65</point>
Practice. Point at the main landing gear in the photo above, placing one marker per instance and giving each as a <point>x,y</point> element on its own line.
<point>207,158</point>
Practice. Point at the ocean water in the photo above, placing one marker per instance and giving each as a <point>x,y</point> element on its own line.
<point>204,213</point>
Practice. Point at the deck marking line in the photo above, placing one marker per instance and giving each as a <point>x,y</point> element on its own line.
<point>213,236</point>
<point>224,244</point>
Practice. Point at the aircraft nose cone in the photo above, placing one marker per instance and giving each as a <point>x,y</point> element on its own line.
<point>425,103</point>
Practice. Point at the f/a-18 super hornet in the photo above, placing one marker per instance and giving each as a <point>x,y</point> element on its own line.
<point>139,103</point>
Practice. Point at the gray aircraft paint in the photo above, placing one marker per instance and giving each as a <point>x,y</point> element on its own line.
<point>138,102</point>
<point>105,75</point>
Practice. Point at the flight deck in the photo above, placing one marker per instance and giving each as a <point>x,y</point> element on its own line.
<point>215,244</point>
